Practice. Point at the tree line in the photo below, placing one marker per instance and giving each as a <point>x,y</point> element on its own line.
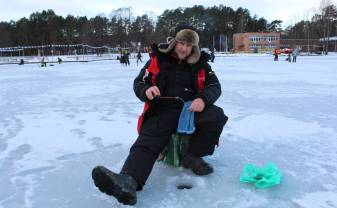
<point>120,30</point>
<point>323,24</point>
<point>46,27</point>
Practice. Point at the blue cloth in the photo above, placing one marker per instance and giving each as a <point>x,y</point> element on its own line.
<point>186,120</point>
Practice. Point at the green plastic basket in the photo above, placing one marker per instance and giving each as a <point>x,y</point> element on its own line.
<point>175,150</point>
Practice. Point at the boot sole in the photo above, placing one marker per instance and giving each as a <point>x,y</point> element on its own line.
<point>106,182</point>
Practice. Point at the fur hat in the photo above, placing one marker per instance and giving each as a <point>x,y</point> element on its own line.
<point>185,34</point>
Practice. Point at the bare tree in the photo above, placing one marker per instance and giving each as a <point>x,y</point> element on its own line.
<point>328,14</point>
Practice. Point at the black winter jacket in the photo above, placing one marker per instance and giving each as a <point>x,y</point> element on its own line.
<point>209,94</point>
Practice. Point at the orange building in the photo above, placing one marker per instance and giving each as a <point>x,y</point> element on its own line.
<point>256,42</point>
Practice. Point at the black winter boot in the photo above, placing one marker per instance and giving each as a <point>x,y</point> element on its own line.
<point>122,187</point>
<point>197,165</point>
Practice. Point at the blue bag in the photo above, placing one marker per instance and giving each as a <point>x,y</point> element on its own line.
<point>186,120</point>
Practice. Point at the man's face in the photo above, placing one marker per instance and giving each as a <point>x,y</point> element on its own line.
<point>183,50</point>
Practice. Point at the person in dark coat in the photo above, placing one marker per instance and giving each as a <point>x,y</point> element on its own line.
<point>176,72</point>
<point>126,55</point>
<point>22,62</point>
<point>212,55</point>
<point>139,57</point>
<point>43,62</point>
<point>289,57</point>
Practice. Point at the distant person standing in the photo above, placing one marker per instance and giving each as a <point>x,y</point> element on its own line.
<point>295,54</point>
<point>289,57</point>
<point>43,62</point>
<point>212,55</point>
<point>126,57</point>
<point>275,55</point>
<point>139,57</point>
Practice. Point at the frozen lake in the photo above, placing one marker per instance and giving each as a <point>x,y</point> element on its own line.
<point>57,123</point>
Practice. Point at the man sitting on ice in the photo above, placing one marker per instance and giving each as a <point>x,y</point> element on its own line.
<point>178,70</point>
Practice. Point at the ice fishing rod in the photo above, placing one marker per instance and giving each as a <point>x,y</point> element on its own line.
<point>169,98</point>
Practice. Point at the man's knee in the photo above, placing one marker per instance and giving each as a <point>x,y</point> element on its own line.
<point>221,118</point>
<point>215,115</point>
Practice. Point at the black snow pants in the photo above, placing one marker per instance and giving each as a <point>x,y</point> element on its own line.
<point>156,133</point>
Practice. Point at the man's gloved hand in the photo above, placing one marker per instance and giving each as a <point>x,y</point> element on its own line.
<point>197,105</point>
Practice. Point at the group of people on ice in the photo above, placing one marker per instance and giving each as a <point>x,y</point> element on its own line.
<point>291,55</point>
<point>125,57</point>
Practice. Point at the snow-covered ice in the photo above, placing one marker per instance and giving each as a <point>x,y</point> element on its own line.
<point>57,123</point>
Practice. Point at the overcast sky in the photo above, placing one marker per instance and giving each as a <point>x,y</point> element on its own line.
<point>290,11</point>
